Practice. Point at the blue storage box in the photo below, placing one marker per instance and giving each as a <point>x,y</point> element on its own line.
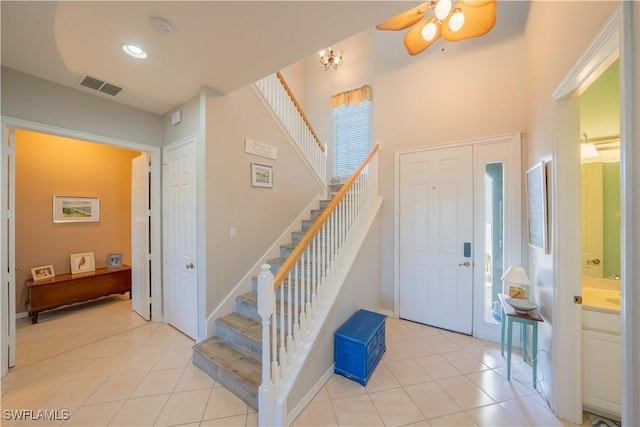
<point>359,345</point>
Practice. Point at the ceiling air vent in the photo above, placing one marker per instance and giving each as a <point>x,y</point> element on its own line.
<point>100,85</point>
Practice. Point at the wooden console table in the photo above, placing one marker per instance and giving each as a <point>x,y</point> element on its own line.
<point>66,289</point>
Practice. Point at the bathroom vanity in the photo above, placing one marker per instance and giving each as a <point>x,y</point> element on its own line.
<point>601,349</point>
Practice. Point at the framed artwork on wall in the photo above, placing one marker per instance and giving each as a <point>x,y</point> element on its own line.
<point>76,209</point>
<point>537,207</point>
<point>82,262</point>
<point>261,175</point>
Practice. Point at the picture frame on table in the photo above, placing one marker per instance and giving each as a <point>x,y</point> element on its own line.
<point>42,272</point>
<point>114,260</point>
<point>82,262</point>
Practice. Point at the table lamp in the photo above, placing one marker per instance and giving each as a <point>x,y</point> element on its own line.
<point>517,276</point>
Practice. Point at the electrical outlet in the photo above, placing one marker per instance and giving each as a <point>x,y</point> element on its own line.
<point>233,233</point>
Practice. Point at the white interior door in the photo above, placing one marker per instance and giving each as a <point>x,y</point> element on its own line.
<point>436,238</point>
<point>592,234</point>
<point>7,254</point>
<point>140,233</point>
<point>180,236</point>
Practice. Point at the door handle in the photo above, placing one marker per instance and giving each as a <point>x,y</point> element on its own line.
<point>189,266</point>
<point>466,264</point>
<point>594,261</point>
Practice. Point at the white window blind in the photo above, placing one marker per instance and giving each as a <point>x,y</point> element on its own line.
<point>351,136</point>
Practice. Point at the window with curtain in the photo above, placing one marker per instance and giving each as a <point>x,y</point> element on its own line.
<point>351,124</point>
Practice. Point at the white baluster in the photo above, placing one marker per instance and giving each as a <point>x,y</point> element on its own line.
<point>266,307</point>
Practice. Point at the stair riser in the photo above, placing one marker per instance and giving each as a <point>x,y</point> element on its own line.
<point>316,213</point>
<point>239,340</point>
<point>246,392</point>
<point>285,251</point>
<point>297,236</point>
<point>249,310</point>
<point>279,294</point>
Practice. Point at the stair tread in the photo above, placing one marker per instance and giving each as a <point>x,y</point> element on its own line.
<point>225,355</point>
<point>243,324</point>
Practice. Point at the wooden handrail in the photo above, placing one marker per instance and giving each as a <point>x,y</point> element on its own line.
<point>295,256</point>
<point>299,108</point>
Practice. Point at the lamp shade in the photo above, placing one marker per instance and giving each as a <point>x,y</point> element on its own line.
<point>515,274</point>
<point>588,150</point>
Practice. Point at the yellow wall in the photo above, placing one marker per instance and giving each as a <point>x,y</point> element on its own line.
<point>49,165</point>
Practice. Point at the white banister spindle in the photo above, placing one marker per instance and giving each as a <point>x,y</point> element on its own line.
<point>266,308</point>
<point>293,121</point>
<point>311,276</point>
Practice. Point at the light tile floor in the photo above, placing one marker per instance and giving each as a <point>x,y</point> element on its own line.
<point>106,366</point>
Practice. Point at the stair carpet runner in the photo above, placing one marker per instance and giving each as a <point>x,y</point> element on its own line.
<point>233,356</point>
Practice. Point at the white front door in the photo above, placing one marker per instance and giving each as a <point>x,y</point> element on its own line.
<point>140,234</point>
<point>436,238</point>
<point>180,235</point>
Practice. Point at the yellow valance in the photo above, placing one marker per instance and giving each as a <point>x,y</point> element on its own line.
<point>353,96</point>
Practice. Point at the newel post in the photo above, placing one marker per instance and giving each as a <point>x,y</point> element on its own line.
<point>266,308</point>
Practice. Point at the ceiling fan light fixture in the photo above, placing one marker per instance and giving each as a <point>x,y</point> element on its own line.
<point>442,9</point>
<point>456,21</point>
<point>135,51</point>
<point>429,31</point>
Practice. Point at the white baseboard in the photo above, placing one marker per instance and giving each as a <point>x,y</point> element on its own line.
<point>22,315</point>
<point>295,412</point>
<point>387,313</point>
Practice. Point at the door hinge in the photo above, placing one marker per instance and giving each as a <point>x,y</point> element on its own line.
<point>577,299</point>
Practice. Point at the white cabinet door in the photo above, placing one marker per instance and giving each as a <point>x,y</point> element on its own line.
<point>601,387</point>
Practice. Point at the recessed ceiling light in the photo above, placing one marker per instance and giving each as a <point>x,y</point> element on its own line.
<point>135,51</point>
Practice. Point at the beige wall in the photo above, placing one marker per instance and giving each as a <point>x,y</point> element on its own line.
<point>48,165</point>
<point>33,99</point>
<point>259,215</point>
<point>551,39</point>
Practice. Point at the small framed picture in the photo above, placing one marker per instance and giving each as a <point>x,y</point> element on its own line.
<point>261,175</point>
<point>42,272</point>
<point>82,262</point>
<point>114,260</point>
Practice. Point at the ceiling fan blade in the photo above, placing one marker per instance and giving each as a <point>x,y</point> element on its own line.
<point>478,21</point>
<point>405,19</point>
<point>476,3</point>
<point>413,40</point>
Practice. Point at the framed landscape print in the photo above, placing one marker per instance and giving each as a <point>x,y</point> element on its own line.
<point>261,175</point>
<point>76,209</point>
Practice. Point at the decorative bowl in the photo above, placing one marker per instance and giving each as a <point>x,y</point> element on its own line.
<point>522,306</point>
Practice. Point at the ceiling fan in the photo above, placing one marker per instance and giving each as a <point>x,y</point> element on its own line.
<point>453,22</point>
